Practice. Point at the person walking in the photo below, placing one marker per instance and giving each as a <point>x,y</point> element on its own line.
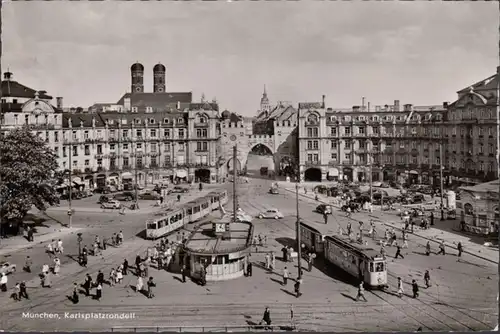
<point>249,269</point>
<point>310,262</point>
<point>183,273</point>
<point>405,240</point>
<point>427,279</point>
<point>361,292</point>
<point>75,298</point>
<point>400,288</point>
<point>285,254</point>
<point>460,249</point>
<point>297,285</point>
<point>125,267</point>
<point>100,278</point>
<point>46,280</point>
<point>98,292</point>
<point>87,285</point>
<point>23,293</point>
<point>139,285</point>
<point>57,266</point>
<point>325,218</point>
<point>119,275</point>
<point>441,248</point>
<point>432,218</point>
<point>112,277</point>
<point>285,276</point>
<point>3,282</point>
<point>267,317</point>
<point>138,261</point>
<point>414,286</point>
<point>151,285</point>
<point>28,264</point>
<point>273,261</point>
<point>398,252</point>
<point>428,248</point>
<point>60,248</point>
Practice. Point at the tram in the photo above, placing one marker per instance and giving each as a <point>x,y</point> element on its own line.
<point>312,236</point>
<point>361,262</point>
<point>185,214</point>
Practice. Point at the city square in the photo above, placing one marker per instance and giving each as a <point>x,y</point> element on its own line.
<point>171,211</point>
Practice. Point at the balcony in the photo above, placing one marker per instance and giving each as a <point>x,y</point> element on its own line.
<point>88,170</point>
<point>76,171</point>
<point>101,169</point>
<point>99,156</point>
<point>44,126</point>
<point>201,125</point>
<point>114,168</point>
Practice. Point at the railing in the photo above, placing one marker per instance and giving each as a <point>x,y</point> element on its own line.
<point>227,329</point>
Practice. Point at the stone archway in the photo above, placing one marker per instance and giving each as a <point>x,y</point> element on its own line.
<point>312,174</point>
<point>259,156</point>
<point>230,164</point>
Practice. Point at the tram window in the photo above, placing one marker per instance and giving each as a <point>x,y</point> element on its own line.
<point>173,219</point>
<point>189,211</point>
<point>353,259</point>
<point>204,205</point>
<point>196,209</point>
<point>181,215</point>
<point>160,223</point>
<point>379,267</point>
<point>151,226</point>
<point>371,267</point>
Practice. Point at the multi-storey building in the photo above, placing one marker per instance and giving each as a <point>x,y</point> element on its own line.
<point>162,136</point>
<point>395,143</point>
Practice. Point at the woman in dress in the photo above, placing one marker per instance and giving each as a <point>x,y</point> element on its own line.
<point>57,266</point>
<point>46,280</point>
<point>45,269</point>
<point>139,285</point>
<point>119,275</point>
<point>112,277</point>
<point>3,282</point>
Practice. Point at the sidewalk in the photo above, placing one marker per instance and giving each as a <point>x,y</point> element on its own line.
<point>451,238</point>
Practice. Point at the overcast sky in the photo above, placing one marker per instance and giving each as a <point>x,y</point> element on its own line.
<point>418,52</point>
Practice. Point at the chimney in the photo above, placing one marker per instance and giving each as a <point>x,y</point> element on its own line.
<point>368,107</point>
<point>323,101</point>
<point>362,103</point>
<point>445,105</point>
<point>178,105</point>
<point>8,76</point>
<point>59,102</point>
<point>396,105</point>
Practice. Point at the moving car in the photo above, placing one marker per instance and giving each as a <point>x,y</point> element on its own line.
<point>324,209</point>
<point>104,199</point>
<point>274,191</point>
<point>179,190</point>
<point>112,204</point>
<point>271,213</point>
<point>150,195</point>
<point>242,216</point>
<point>125,196</point>
<point>7,268</point>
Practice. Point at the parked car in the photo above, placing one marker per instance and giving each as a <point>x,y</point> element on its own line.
<point>274,191</point>
<point>324,209</point>
<point>125,196</point>
<point>243,217</point>
<point>264,170</point>
<point>179,190</point>
<point>7,268</point>
<point>104,199</point>
<point>271,213</point>
<point>112,204</point>
<point>418,198</point>
<point>150,195</point>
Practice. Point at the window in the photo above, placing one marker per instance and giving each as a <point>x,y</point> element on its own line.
<point>87,162</point>
<point>375,130</point>
<point>347,145</point>
<point>75,151</point>
<point>201,133</point>
<point>491,150</point>
<point>64,152</point>
<point>112,133</point>
<point>26,119</point>
<point>333,132</point>
<point>181,133</point>
<point>112,162</point>
<point>490,131</point>
<point>86,134</point>
<point>181,146</point>
<point>138,133</point>
<point>334,156</point>
<point>75,163</point>
<point>309,157</point>
<point>56,137</point>
<point>166,120</point>
<point>315,157</point>
<point>347,131</point>
<point>125,162</point>
<point>137,120</point>
<point>202,119</point>
<point>166,133</point>
<point>125,147</point>
<point>125,133</point>
<point>481,166</point>
<point>361,130</point>
<point>481,148</point>
<point>153,133</point>
<point>312,132</point>
<point>151,120</point>
<point>347,156</point>
<point>153,161</point>
<point>180,159</point>
<point>334,145</point>
<point>75,136</point>
<point>87,150</point>
<point>139,146</point>
<point>362,145</point>
<point>112,147</point>
<point>154,147</point>
<point>167,147</point>
<point>99,149</point>
<point>481,131</point>
<point>202,146</point>
<point>138,162</point>
<point>180,120</point>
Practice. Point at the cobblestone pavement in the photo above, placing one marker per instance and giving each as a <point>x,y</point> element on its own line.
<point>462,296</point>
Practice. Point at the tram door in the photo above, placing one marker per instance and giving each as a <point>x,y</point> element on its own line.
<point>317,242</point>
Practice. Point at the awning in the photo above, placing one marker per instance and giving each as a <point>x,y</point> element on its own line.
<point>127,175</point>
<point>65,184</point>
<point>333,172</point>
<point>181,173</point>
<point>167,172</point>
<point>414,172</point>
<point>77,181</point>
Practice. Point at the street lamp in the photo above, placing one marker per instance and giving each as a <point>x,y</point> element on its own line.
<point>441,176</point>
<point>299,243</point>
<point>79,239</point>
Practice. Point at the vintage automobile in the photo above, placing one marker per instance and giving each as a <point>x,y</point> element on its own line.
<point>324,209</point>
<point>112,204</point>
<point>271,213</point>
<point>7,268</point>
<point>125,196</point>
<point>104,199</point>
<point>242,216</point>
<point>150,195</point>
<point>179,190</point>
<point>274,191</point>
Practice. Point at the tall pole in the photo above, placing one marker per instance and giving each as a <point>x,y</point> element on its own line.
<point>371,179</point>
<point>441,176</point>
<point>136,185</point>
<point>299,242</point>
<point>235,180</point>
<point>70,176</point>
<point>498,132</point>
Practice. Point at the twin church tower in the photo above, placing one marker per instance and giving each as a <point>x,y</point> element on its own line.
<point>159,78</point>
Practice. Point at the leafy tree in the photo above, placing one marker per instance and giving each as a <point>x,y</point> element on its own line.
<point>27,170</point>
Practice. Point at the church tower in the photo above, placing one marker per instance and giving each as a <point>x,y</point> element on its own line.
<point>137,75</point>
<point>159,78</point>
<point>264,102</point>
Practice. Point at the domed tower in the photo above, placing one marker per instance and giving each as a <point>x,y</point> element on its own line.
<point>264,102</point>
<point>159,82</point>
<point>137,74</point>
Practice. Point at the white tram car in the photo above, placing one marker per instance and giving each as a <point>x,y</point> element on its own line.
<point>312,236</point>
<point>357,260</point>
<point>187,213</point>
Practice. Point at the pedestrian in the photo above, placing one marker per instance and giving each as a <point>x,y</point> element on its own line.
<point>178,237</point>
<point>125,267</point>
<point>95,250</point>
<point>47,280</point>
<point>161,199</point>
<point>119,275</point>
<point>267,317</point>
<point>113,239</point>
<point>400,288</point>
<point>100,277</point>
<point>285,276</point>
<point>289,253</point>
<point>393,239</point>
<point>297,287</point>
<point>139,285</point>
<point>398,252</point>
<point>310,260</point>
<point>45,269</point>
<point>414,286</point>
<point>60,248</point>
<point>138,261</point>
<point>405,240</point>
<point>349,228</point>
<point>120,238</point>
<point>382,251</point>
<point>265,240</point>
<point>75,298</point>
<point>249,269</point>
<point>428,248</point>
<point>460,249</point>
<point>57,266</point>
<point>112,277</point>
<point>203,276</point>
<point>23,293</point>
<point>85,259</point>
<point>432,218</point>
<point>151,285</point>
<point>28,264</point>
<point>16,295</point>
<point>87,285</point>
<point>427,279</point>
<point>361,292</point>
<point>412,223</point>
<point>268,261</point>
<point>50,249</point>
<point>325,218</point>
<point>285,254</point>
<point>3,282</point>
<point>183,273</point>
<point>97,241</point>
<point>98,292</point>
<point>441,248</point>
<point>104,243</point>
<point>273,261</point>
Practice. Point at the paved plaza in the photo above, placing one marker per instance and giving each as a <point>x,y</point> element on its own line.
<point>462,295</point>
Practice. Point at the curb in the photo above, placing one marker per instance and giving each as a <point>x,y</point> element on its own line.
<point>448,244</point>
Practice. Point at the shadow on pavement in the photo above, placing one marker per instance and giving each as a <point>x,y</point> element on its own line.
<point>141,234</point>
<point>348,296</point>
<point>289,242</point>
<point>288,292</point>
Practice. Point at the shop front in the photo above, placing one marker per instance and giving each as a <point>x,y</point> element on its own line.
<point>333,174</point>
<point>413,177</point>
<point>348,173</point>
<point>181,175</point>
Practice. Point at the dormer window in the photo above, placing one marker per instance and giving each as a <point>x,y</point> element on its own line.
<point>137,121</point>
<point>151,121</point>
<point>134,109</point>
<point>180,120</point>
<point>202,119</point>
<point>124,121</point>
<point>111,121</point>
<point>166,120</point>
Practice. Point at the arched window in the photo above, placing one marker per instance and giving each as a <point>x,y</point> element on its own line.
<point>468,209</point>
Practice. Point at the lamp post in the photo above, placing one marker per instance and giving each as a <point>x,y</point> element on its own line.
<point>70,177</point>
<point>441,177</point>
<point>299,242</point>
<point>79,239</point>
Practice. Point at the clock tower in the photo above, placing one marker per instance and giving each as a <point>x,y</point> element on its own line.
<point>137,76</point>
<point>159,78</point>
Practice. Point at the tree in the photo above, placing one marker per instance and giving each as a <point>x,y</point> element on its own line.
<point>27,168</point>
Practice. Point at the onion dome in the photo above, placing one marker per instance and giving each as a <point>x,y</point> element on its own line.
<point>137,67</point>
<point>226,114</point>
<point>159,68</point>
